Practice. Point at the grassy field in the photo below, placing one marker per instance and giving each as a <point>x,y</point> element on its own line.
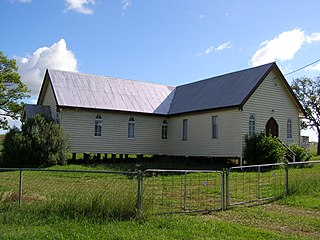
<point>296,216</point>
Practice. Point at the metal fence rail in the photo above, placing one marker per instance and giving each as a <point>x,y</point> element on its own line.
<point>78,188</point>
<point>178,191</point>
<point>156,191</point>
<point>254,183</point>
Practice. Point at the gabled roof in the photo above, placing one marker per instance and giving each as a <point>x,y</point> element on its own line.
<point>229,90</point>
<point>73,89</point>
<point>77,90</point>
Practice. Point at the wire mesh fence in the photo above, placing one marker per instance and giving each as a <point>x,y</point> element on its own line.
<point>126,194</point>
<point>177,191</point>
<point>92,193</point>
<point>255,183</point>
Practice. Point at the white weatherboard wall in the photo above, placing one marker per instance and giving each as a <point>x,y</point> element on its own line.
<point>79,125</point>
<point>272,99</point>
<point>200,142</point>
<point>49,99</point>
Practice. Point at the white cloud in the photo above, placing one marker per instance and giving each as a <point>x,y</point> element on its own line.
<point>126,4</point>
<point>80,6</point>
<point>283,47</point>
<point>223,46</point>
<point>314,68</point>
<point>211,48</point>
<point>32,67</point>
<point>314,37</point>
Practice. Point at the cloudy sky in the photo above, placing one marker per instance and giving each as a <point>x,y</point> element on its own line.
<point>163,41</point>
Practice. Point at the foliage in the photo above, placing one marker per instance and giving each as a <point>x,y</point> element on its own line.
<point>12,91</point>
<point>263,149</point>
<point>41,142</point>
<point>308,93</point>
<point>302,155</point>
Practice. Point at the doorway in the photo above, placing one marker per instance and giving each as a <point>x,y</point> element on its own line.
<point>272,127</point>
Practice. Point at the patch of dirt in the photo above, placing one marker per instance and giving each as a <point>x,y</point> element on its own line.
<point>14,197</point>
<point>274,217</point>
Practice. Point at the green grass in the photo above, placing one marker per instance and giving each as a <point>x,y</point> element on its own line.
<point>80,212</point>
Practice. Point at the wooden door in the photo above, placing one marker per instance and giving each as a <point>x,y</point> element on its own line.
<point>272,127</point>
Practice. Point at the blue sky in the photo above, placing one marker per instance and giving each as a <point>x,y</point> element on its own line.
<point>163,41</point>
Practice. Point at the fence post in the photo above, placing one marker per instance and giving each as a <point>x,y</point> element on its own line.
<point>223,204</point>
<point>259,182</point>
<point>139,193</point>
<point>20,187</point>
<point>185,191</point>
<point>227,189</point>
<point>287,178</point>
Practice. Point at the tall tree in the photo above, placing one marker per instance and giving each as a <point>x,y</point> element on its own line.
<point>12,91</point>
<point>308,93</point>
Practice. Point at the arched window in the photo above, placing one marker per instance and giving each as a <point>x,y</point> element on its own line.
<point>252,125</point>
<point>289,128</point>
<point>131,128</point>
<point>164,132</point>
<point>98,126</point>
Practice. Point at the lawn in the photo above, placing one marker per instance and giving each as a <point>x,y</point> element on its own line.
<point>296,216</point>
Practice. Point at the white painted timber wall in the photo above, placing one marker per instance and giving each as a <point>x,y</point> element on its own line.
<point>79,125</point>
<point>49,99</point>
<point>199,141</point>
<point>272,99</point>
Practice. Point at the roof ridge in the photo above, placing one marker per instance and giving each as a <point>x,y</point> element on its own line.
<point>225,74</point>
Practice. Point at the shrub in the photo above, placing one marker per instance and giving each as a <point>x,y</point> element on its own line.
<point>302,155</point>
<point>263,149</point>
<point>40,142</point>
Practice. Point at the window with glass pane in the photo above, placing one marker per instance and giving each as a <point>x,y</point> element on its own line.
<point>289,128</point>
<point>131,128</point>
<point>214,127</point>
<point>184,129</point>
<point>164,132</point>
<point>252,125</point>
<point>98,126</point>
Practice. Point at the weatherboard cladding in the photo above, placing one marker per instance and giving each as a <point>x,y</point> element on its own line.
<point>95,92</point>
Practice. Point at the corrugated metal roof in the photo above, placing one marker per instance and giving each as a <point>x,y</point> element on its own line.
<point>88,91</point>
<point>73,89</point>
<point>218,92</point>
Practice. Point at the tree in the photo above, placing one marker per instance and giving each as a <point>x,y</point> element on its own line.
<point>40,142</point>
<point>12,91</point>
<point>308,93</point>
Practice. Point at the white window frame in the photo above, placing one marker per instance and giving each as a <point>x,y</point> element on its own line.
<point>184,129</point>
<point>215,127</point>
<point>98,126</point>
<point>164,130</point>
<point>131,128</point>
<point>252,125</point>
<point>289,128</point>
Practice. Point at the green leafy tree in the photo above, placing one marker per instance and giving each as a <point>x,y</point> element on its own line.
<point>263,149</point>
<point>308,93</point>
<point>12,91</point>
<point>40,142</point>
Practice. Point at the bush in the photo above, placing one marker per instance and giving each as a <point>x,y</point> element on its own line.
<point>40,142</point>
<point>263,149</point>
<point>302,155</point>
